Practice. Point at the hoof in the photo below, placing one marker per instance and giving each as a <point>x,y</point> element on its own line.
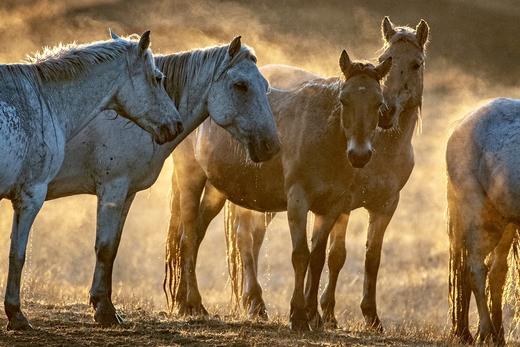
<point>18,322</point>
<point>188,310</point>
<point>298,321</point>
<point>462,337</point>
<point>108,319</point>
<point>374,324</point>
<point>315,322</point>
<point>106,315</point>
<point>330,322</point>
<point>257,311</point>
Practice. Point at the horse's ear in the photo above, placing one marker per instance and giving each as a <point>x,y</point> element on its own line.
<point>422,30</point>
<point>234,46</point>
<point>387,29</point>
<point>144,42</point>
<point>113,35</point>
<point>383,68</point>
<point>345,63</point>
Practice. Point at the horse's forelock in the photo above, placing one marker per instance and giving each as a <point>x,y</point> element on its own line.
<point>403,34</point>
<point>360,68</point>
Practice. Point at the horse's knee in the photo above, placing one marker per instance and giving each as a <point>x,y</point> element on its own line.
<point>337,257</point>
<point>300,256</point>
<point>105,251</point>
<point>16,260</point>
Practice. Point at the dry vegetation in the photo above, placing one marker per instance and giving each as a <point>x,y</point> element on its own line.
<point>472,57</point>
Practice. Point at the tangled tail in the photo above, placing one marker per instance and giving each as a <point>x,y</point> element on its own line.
<point>172,264</point>
<point>514,282</point>
<point>459,284</point>
<point>234,260</point>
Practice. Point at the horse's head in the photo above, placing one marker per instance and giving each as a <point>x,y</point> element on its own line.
<point>361,99</point>
<point>238,102</point>
<point>404,85</point>
<point>141,96</point>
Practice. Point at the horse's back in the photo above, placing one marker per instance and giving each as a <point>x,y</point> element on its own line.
<point>285,76</point>
<point>483,153</point>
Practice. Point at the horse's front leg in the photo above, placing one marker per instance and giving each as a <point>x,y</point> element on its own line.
<point>337,256</point>
<point>251,229</point>
<point>378,222</point>
<point>26,206</point>
<point>297,208</point>
<point>112,209</point>
<point>322,226</point>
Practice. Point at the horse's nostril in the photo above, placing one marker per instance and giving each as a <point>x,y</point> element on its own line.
<point>358,159</point>
<point>267,146</point>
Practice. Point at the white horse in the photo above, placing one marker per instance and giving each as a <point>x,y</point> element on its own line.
<point>484,213</point>
<point>46,102</point>
<point>113,160</point>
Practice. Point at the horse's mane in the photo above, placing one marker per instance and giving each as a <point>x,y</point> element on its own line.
<point>68,61</point>
<point>187,67</point>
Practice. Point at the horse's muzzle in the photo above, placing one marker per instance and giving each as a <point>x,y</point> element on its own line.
<point>167,133</point>
<point>359,158</point>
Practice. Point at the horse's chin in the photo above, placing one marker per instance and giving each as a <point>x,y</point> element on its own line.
<point>258,153</point>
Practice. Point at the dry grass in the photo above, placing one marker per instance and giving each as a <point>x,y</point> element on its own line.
<point>472,57</point>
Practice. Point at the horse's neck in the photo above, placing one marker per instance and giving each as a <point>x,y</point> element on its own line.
<point>191,100</point>
<point>401,140</point>
<point>75,102</point>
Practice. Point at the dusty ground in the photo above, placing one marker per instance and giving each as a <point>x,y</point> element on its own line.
<point>473,56</point>
<point>73,325</point>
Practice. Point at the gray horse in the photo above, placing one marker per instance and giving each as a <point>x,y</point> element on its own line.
<point>115,160</point>
<point>484,213</point>
<point>326,127</point>
<point>48,101</point>
<point>376,187</point>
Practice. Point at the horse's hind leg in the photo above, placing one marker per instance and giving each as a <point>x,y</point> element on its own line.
<point>26,206</point>
<point>337,256</point>
<point>481,236</point>
<point>322,227</point>
<point>497,279</point>
<point>112,208</point>
<point>379,219</point>
<point>194,231</point>
<point>251,226</point>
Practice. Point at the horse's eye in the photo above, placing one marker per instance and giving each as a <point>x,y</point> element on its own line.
<point>241,86</point>
<point>158,79</point>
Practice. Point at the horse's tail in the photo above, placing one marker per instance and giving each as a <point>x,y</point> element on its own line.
<point>172,265</point>
<point>234,260</point>
<point>459,285</point>
<point>515,273</point>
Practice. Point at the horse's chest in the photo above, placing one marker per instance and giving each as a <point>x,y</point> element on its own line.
<point>258,186</point>
<point>374,188</point>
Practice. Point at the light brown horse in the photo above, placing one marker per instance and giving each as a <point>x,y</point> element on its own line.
<point>376,187</point>
<point>326,127</point>
<point>484,214</point>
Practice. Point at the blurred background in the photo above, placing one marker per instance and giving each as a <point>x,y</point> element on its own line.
<point>473,56</point>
